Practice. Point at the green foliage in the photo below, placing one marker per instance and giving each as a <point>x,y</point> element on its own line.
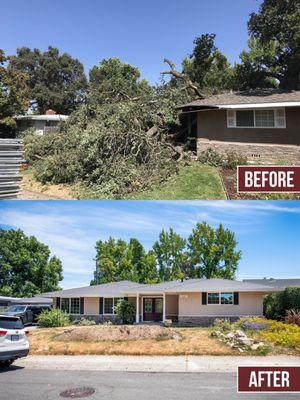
<point>53,318</point>
<point>169,254</point>
<point>117,260</point>
<point>282,335</point>
<point>126,311</point>
<point>277,304</point>
<point>213,252</point>
<point>208,67</point>
<point>229,159</point>
<point>13,96</point>
<point>274,48</point>
<point>223,325</point>
<point>26,267</point>
<point>56,81</point>
<point>84,322</point>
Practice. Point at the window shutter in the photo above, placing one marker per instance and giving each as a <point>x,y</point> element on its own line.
<point>231,123</point>
<point>204,298</point>
<point>236,298</point>
<point>81,305</point>
<point>58,302</point>
<point>101,305</point>
<point>280,118</point>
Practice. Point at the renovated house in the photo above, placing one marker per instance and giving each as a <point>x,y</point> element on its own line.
<point>188,302</point>
<point>262,125</point>
<point>41,124</point>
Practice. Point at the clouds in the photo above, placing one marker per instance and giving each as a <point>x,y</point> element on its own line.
<point>71,228</point>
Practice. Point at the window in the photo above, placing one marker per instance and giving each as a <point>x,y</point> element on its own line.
<point>110,304</point>
<point>65,305</point>
<point>70,306</point>
<point>75,306</point>
<point>213,298</point>
<point>263,118</point>
<point>245,118</point>
<point>220,298</point>
<point>226,298</point>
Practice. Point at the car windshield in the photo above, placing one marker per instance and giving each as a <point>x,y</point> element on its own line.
<point>16,309</point>
<point>11,323</point>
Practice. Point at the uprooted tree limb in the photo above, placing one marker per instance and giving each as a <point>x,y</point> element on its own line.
<point>182,76</point>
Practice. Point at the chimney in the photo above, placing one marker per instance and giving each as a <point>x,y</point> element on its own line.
<point>50,112</point>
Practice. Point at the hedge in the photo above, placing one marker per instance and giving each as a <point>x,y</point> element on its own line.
<point>277,304</point>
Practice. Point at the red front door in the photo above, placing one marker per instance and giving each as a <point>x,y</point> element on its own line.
<point>153,309</point>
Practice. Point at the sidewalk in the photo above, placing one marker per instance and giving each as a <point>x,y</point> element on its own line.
<point>151,363</point>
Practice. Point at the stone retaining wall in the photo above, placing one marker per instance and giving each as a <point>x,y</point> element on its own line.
<point>255,153</point>
<point>201,321</point>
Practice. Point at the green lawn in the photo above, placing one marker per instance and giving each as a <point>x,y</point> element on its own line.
<point>193,182</point>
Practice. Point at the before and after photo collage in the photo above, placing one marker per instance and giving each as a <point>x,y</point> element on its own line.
<point>149,199</point>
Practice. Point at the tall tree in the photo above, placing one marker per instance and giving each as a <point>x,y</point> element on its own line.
<point>169,253</point>
<point>117,260</point>
<point>56,81</point>
<point>213,252</point>
<point>258,68</point>
<point>26,265</point>
<point>207,66</point>
<point>276,27</point>
<point>113,81</point>
<point>14,96</point>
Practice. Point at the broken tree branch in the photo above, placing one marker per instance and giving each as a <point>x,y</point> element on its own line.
<point>182,76</point>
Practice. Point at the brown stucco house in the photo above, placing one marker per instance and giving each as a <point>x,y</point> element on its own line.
<point>263,125</point>
<point>188,302</point>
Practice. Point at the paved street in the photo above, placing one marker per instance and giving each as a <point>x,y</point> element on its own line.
<point>26,384</point>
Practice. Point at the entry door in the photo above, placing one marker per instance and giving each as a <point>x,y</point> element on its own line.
<point>153,309</point>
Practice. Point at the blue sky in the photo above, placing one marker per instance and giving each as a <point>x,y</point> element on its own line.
<point>139,32</point>
<point>268,232</point>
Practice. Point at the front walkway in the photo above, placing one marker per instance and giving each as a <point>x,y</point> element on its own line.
<point>152,363</point>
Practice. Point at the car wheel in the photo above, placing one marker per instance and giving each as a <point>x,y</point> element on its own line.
<point>6,363</point>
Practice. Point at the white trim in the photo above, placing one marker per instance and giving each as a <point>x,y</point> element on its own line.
<point>69,298</point>
<point>260,105</point>
<point>103,305</point>
<point>276,117</point>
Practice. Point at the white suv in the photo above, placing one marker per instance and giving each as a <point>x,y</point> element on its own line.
<point>13,340</point>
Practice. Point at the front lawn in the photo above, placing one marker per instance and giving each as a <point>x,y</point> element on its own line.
<point>125,340</point>
<point>194,181</point>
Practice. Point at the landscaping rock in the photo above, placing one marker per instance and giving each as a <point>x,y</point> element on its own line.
<point>230,335</point>
<point>245,340</point>
<point>240,333</point>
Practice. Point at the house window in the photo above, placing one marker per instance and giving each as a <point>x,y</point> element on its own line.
<point>265,118</point>
<point>75,306</point>
<point>109,304</point>
<point>70,306</point>
<point>213,298</point>
<point>65,305</point>
<point>226,298</point>
<point>220,298</point>
<point>245,118</point>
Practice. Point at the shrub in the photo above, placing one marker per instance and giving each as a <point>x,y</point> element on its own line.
<point>223,325</point>
<point>126,311</point>
<point>211,157</point>
<point>229,159</point>
<point>293,317</point>
<point>53,318</point>
<point>84,322</point>
<point>277,304</point>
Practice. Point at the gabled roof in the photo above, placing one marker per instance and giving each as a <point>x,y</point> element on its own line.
<point>276,283</point>
<point>254,98</point>
<point>123,288</point>
<point>113,289</point>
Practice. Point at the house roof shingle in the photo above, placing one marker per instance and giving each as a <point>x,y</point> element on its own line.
<point>246,97</point>
<point>276,283</point>
<point>120,289</point>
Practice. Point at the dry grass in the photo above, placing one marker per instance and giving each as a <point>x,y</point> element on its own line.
<point>170,341</point>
